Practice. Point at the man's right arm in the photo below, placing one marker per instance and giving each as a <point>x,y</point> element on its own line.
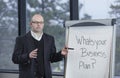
<point>20,57</point>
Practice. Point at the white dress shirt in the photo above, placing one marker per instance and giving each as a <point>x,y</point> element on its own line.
<point>36,35</point>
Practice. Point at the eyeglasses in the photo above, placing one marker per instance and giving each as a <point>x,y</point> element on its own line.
<point>36,22</point>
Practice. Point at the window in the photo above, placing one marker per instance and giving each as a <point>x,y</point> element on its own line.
<point>95,9</point>
<point>8,32</point>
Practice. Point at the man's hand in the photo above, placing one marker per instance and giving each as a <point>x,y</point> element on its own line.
<point>33,54</point>
<point>64,51</point>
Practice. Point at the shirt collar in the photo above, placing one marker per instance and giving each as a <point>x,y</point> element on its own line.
<point>36,36</point>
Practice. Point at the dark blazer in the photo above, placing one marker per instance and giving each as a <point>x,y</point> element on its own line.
<point>24,45</point>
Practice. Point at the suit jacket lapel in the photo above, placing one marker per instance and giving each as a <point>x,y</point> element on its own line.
<point>30,42</point>
<point>45,43</point>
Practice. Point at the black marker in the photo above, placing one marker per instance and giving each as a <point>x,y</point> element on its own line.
<point>70,48</point>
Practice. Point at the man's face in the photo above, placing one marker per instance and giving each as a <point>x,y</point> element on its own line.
<point>37,23</point>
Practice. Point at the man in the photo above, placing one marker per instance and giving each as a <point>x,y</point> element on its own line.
<point>35,50</point>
